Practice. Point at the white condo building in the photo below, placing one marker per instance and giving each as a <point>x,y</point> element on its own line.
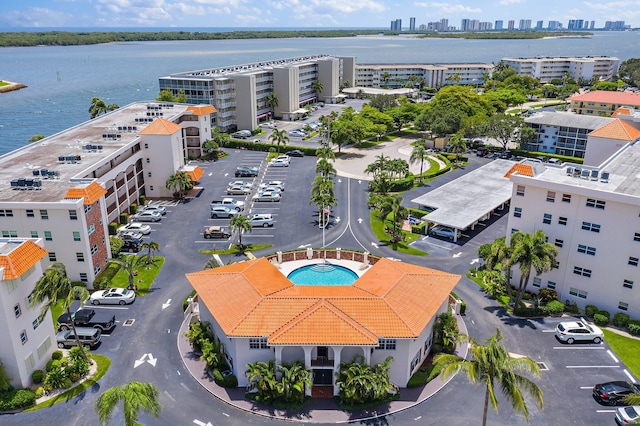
<point>592,214</point>
<point>578,68</point>
<point>434,75</point>
<point>27,340</point>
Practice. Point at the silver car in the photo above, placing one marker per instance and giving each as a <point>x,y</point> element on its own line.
<point>155,207</point>
<point>113,296</point>
<point>628,415</point>
<point>147,216</point>
<point>263,220</point>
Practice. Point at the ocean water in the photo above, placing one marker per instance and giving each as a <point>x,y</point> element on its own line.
<point>62,80</point>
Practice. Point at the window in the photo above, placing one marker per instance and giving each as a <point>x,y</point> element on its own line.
<point>151,188</point>
<point>633,261</point>
<point>562,221</point>
<point>427,345</point>
<point>73,215</point>
<point>80,257</point>
<point>17,310</point>
<point>23,336</point>
<point>416,360</point>
<point>520,190</point>
<point>9,234</point>
<point>537,281</point>
<point>83,277</point>
<point>36,322</point>
<point>44,347</point>
<point>30,213</point>
<point>88,208</point>
<point>258,343</point>
<point>623,306</point>
<point>34,234</point>
<point>148,160</point>
<point>559,243</point>
<point>52,256</point>
<point>551,284</point>
<point>149,174</point>
<point>6,213</point>
<point>593,227</point>
<point>94,249</point>
<point>596,204</point>
<point>90,229</point>
<point>30,362</point>
<point>546,219</point>
<point>76,236</point>
<point>146,146</point>
<point>44,215</point>
<point>636,236</point>
<point>97,269</point>
<point>387,344</point>
<point>551,197</point>
<point>48,236</point>
<point>582,271</point>
<point>627,284</point>
<point>577,292</point>
<point>566,198</point>
<point>517,212</point>
<point>591,251</point>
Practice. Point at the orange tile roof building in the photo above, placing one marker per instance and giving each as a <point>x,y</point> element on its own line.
<point>27,340</point>
<point>68,187</point>
<point>258,315</point>
<point>603,103</point>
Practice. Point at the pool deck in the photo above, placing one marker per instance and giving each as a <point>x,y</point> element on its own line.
<point>358,268</point>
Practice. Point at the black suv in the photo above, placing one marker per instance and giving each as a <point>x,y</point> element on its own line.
<point>132,246</point>
<point>246,171</point>
<point>612,393</point>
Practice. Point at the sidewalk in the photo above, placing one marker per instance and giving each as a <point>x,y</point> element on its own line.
<point>317,410</point>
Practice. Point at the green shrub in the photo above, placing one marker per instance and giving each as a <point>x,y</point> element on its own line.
<point>620,319</point>
<point>37,376</point>
<point>547,295</point>
<point>420,377</point>
<point>17,399</point>
<point>591,310</point>
<point>572,308</point>
<point>67,383</point>
<point>401,184</point>
<point>133,208</point>
<point>53,363</point>
<point>463,307</point>
<point>142,200</point>
<point>55,378</point>
<point>604,314</point>
<point>124,218</point>
<point>633,329</point>
<point>419,229</point>
<point>231,381</point>
<point>600,320</point>
<point>527,312</point>
<point>57,354</point>
<point>185,302</point>
<point>555,307</point>
<point>39,392</point>
<point>74,377</point>
<point>266,147</point>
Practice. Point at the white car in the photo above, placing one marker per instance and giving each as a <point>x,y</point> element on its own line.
<point>267,125</point>
<point>222,211</point>
<point>279,163</point>
<point>570,331</point>
<point>272,184</point>
<point>238,190</point>
<point>627,415</point>
<point>241,183</point>
<point>147,216</point>
<point>113,296</point>
<point>155,207</point>
<point>267,196</point>
<point>443,231</point>
<point>297,134</point>
<point>264,220</point>
<point>135,227</point>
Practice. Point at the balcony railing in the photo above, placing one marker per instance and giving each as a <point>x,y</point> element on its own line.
<point>322,361</point>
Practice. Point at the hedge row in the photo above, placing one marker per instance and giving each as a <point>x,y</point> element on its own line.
<point>620,319</point>
<point>265,147</point>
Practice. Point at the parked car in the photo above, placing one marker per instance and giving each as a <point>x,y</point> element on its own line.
<point>267,196</point>
<point>222,211</point>
<point>113,296</point>
<point>612,393</point>
<point>154,207</point>
<point>295,153</point>
<point>142,228</point>
<point>238,190</point>
<point>130,236</point>
<point>89,337</point>
<point>264,220</point>
<point>147,216</point>
<point>276,184</point>
<point>241,134</point>
<point>241,183</point>
<point>131,246</point>
<point>279,163</point>
<point>247,171</point>
<point>443,231</point>
<point>267,125</point>
<point>628,415</point>
<point>297,134</point>
<point>87,317</point>
<point>216,232</point>
<point>570,331</point>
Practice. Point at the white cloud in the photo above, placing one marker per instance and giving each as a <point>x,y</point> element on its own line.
<point>445,8</point>
<point>37,17</point>
<point>345,6</point>
<point>509,2</point>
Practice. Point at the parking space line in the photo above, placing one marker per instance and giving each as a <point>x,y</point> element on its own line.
<point>548,331</point>
<point>107,307</point>
<point>579,347</point>
<point>612,355</point>
<point>210,241</point>
<point>605,411</point>
<point>592,366</point>
<point>258,236</point>
<point>586,387</point>
<point>630,376</point>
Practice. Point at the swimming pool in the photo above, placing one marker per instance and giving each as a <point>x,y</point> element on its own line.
<point>322,274</point>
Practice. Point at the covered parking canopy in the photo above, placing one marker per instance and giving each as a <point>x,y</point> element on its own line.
<point>463,202</point>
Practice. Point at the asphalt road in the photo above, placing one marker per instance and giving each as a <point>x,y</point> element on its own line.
<point>151,339</point>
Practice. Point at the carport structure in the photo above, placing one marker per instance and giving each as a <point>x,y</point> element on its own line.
<point>463,202</point>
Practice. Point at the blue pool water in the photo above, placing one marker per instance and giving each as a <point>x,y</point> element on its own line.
<point>322,274</point>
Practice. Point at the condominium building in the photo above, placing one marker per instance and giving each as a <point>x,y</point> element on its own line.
<point>412,24</point>
<point>67,188</point>
<point>27,340</point>
<point>579,68</point>
<point>562,133</point>
<point>603,103</point>
<point>240,93</point>
<point>591,215</point>
<point>525,24</point>
<point>433,75</point>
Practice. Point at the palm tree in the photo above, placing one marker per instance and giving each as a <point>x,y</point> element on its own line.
<point>278,137</point>
<point>98,107</point>
<point>151,247</point>
<point>457,145</point>
<point>262,376</point>
<point>418,153</point>
<point>180,182</point>
<point>317,87</point>
<point>129,265</point>
<point>295,379</point>
<point>211,263</point>
<point>135,396</point>
<point>385,77</point>
<point>240,224</point>
<point>531,251</point>
<point>55,287</point>
<point>325,168</point>
<point>326,153</point>
<point>210,149</point>
<point>271,102</point>
<point>491,365</point>
<point>500,254</point>
<point>392,205</point>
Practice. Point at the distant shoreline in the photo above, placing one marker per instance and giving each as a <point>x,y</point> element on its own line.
<point>8,86</point>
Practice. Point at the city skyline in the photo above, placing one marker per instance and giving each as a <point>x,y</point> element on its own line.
<point>300,14</point>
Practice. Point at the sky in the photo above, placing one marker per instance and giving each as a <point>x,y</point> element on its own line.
<point>301,13</point>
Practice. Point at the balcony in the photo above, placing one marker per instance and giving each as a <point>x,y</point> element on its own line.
<point>322,361</point>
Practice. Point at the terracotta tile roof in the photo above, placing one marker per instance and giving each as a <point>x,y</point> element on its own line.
<point>202,109</point>
<point>392,299</point>
<point>621,111</point>
<point>18,261</point>
<point>617,129</point>
<point>161,126</point>
<point>607,97</point>
<point>521,169</point>
<point>90,193</point>
<point>195,173</point>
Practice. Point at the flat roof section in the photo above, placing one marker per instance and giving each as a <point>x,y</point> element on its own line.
<point>464,201</point>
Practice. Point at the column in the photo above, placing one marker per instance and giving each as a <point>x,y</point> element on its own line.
<point>278,355</point>
<point>307,365</point>
<point>337,351</point>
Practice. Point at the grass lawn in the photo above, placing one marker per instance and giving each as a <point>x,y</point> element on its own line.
<point>3,83</point>
<point>377,226</point>
<point>103,365</point>
<point>56,311</point>
<point>234,249</point>
<point>626,348</point>
<point>145,278</point>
